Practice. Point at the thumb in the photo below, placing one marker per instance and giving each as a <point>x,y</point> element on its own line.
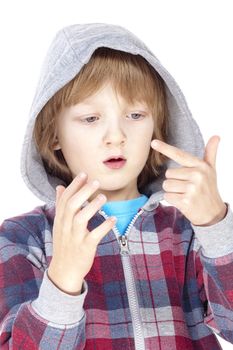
<point>211,151</point>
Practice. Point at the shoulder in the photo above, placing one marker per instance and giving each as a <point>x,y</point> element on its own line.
<point>28,226</point>
<point>171,216</point>
<point>170,222</point>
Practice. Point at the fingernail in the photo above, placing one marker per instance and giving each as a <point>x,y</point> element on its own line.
<point>101,197</point>
<point>82,175</point>
<point>154,143</point>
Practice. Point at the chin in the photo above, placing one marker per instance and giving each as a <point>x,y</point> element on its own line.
<point>112,187</point>
<point>115,184</point>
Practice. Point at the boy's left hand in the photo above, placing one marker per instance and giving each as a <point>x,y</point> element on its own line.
<point>193,188</point>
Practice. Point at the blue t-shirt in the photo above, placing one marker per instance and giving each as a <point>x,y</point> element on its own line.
<point>124,211</point>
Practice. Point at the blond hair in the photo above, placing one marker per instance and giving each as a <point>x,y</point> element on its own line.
<point>133,78</point>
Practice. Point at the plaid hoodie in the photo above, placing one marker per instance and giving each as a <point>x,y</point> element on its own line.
<point>165,284</point>
<point>165,290</point>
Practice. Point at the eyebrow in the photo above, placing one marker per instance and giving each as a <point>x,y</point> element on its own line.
<point>85,103</point>
<point>90,104</point>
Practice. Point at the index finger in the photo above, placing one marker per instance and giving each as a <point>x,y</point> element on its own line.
<point>73,187</point>
<point>179,156</point>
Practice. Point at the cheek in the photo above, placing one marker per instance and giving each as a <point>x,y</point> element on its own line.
<point>143,136</point>
<point>141,145</point>
<point>74,144</point>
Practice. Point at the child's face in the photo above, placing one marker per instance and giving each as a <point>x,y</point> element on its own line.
<point>102,126</point>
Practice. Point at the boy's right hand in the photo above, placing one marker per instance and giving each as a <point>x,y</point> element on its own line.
<point>74,247</point>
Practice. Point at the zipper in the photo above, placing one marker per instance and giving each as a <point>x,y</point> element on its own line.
<point>130,282</point>
<point>123,244</point>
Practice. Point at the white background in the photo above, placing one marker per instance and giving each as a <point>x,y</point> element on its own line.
<point>193,39</point>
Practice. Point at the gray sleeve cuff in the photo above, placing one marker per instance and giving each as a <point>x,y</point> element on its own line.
<point>216,240</point>
<point>58,307</point>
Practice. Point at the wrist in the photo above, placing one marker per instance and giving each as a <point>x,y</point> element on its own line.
<point>68,284</point>
<point>219,217</point>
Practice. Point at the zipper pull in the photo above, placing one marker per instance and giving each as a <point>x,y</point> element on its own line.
<point>124,245</point>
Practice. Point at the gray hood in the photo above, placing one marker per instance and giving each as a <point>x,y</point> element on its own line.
<point>70,49</point>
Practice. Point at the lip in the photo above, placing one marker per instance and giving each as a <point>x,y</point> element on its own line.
<point>114,157</point>
<point>116,164</point>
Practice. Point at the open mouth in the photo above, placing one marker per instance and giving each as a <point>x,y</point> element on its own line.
<point>115,163</point>
<point>115,160</point>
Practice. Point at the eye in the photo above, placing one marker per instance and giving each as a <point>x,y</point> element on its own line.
<point>92,119</point>
<point>136,116</point>
<point>89,120</point>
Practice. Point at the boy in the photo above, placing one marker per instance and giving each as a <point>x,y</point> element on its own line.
<point>158,277</point>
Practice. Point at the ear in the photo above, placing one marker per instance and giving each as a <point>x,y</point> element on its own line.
<point>56,146</point>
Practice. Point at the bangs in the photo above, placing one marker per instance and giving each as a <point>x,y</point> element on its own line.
<point>131,76</point>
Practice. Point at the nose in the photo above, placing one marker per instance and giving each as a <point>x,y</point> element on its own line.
<point>114,133</point>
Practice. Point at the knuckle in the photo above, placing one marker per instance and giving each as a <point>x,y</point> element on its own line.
<point>191,187</point>
<point>197,176</point>
<point>94,239</point>
<point>71,204</point>
<point>185,200</point>
<point>88,190</point>
<point>80,219</point>
<point>101,198</point>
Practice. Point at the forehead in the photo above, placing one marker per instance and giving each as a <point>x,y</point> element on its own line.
<point>108,94</point>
